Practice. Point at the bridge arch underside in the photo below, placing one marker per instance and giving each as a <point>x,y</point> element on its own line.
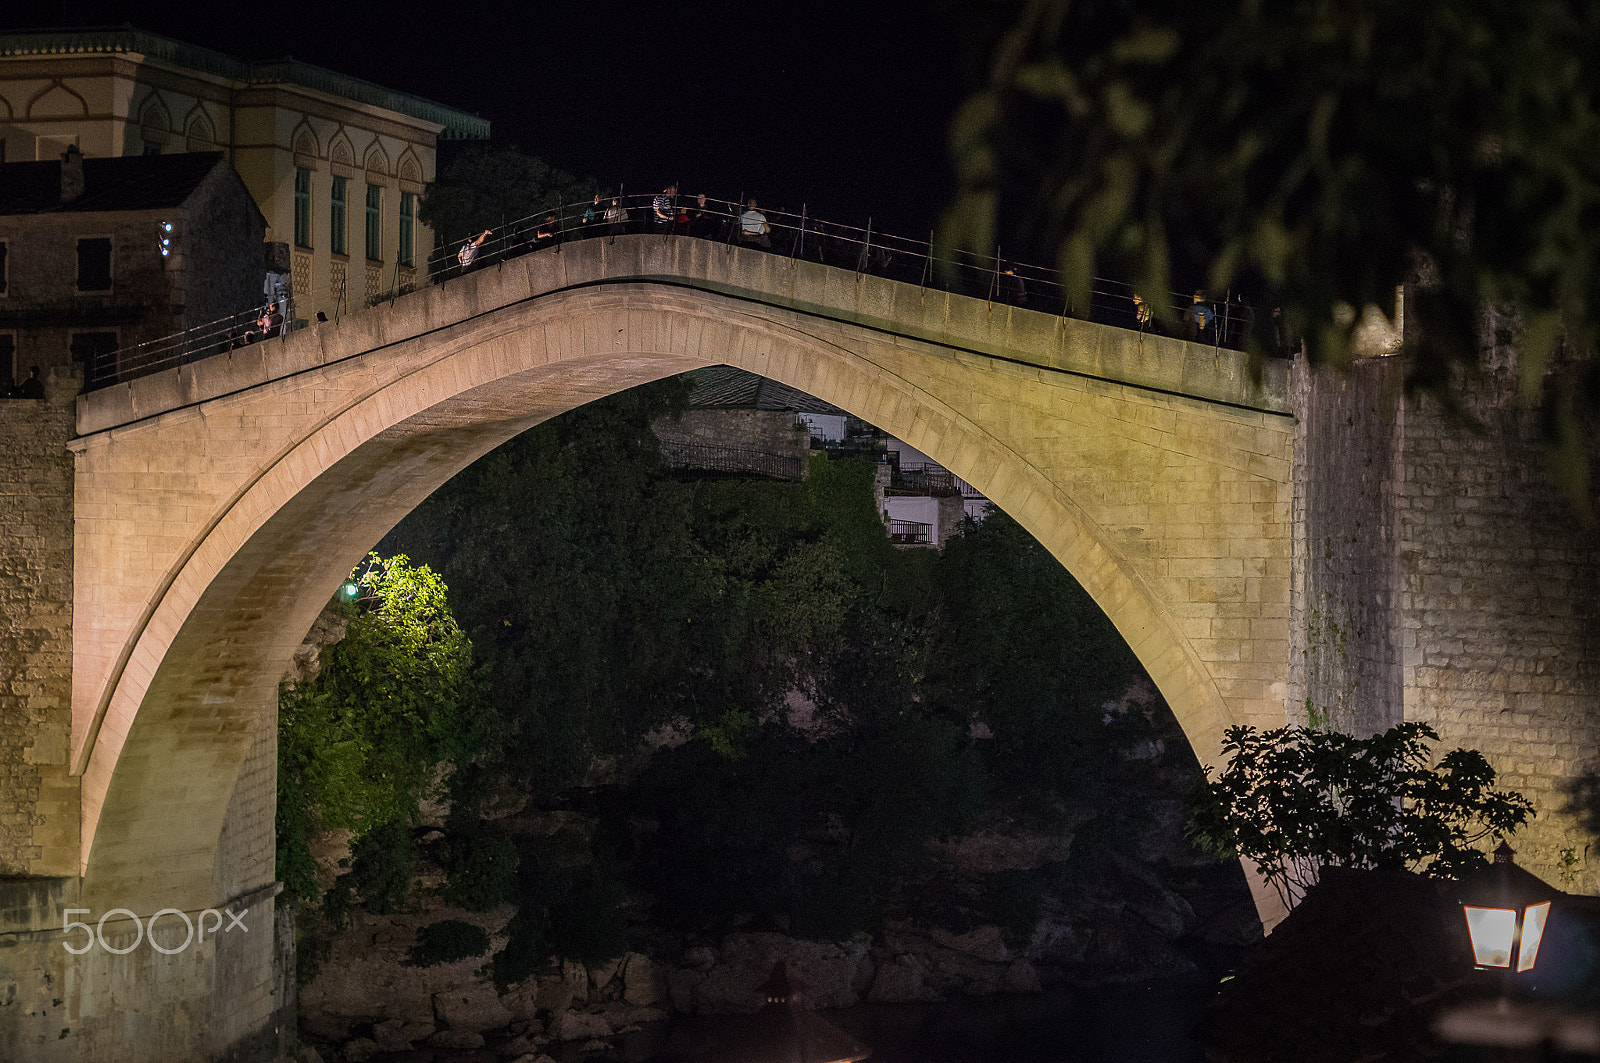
<point>1173,513</point>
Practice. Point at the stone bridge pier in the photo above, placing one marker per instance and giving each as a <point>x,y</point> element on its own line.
<point>1268,545</point>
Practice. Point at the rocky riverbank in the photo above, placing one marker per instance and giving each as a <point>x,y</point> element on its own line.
<point>1133,921</point>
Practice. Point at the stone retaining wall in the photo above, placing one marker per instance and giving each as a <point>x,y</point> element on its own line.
<point>38,799</point>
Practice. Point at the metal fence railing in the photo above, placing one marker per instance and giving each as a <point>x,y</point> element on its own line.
<point>200,341</point>
<point>910,532</point>
<point>1224,322</point>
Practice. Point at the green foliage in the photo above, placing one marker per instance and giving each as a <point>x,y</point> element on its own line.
<point>1022,649</point>
<point>1295,800</point>
<point>447,941</point>
<point>486,189</point>
<point>360,743</point>
<point>861,803</point>
<point>480,868</point>
<point>1317,155</point>
<point>381,861</point>
<point>569,905</point>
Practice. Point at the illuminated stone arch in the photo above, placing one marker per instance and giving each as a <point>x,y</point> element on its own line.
<point>358,425</point>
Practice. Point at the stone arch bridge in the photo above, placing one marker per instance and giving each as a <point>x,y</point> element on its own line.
<point>217,506</point>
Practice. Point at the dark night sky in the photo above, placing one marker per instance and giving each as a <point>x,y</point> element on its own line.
<point>838,104</point>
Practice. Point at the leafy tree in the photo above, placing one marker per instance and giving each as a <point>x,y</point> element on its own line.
<point>380,873</point>
<point>1296,800</point>
<point>1021,648</point>
<point>1316,154</point>
<point>487,189</point>
<point>447,941</point>
<point>360,743</point>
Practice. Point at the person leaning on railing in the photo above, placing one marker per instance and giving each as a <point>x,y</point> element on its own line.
<point>753,227</point>
<point>469,250</point>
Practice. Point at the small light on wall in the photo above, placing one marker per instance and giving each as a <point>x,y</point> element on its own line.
<point>166,238</point>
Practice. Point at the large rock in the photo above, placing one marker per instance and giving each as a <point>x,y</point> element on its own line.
<point>1149,898</point>
<point>389,1036</point>
<point>602,976</point>
<point>681,984</point>
<point>642,983</point>
<point>475,1007</point>
<point>580,1026</point>
<point>903,980</point>
<point>981,943</point>
<point>360,1050</point>
<point>831,972</point>
<point>577,977</point>
<point>554,995</point>
<point>1020,977</point>
<point>327,1026</point>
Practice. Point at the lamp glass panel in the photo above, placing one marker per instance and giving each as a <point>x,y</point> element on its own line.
<point>1532,933</point>
<point>1492,931</point>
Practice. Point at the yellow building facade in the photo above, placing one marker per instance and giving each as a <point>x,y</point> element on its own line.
<point>337,165</point>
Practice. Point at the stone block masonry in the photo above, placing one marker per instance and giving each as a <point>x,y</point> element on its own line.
<point>1440,577</point>
<point>38,805</point>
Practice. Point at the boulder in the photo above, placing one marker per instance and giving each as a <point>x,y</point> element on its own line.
<point>521,1046</point>
<point>700,957</point>
<point>456,1039</point>
<point>1020,977</point>
<point>534,1057</point>
<point>642,983</point>
<point>306,1054</point>
<point>681,984</point>
<point>389,1036</point>
<point>554,995</point>
<point>360,1050</point>
<point>903,980</point>
<point>328,1027</point>
<point>829,971</point>
<point>601,977</point>
<point>580,1026</point>
<point>474,1007</point>
<point>577,977</point>
<point>981,943</point>
<point>418,1031</point>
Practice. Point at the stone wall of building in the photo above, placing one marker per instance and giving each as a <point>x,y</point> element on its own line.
<point>768,431</point>
<point>1441,577</point>
<point>38,797</point>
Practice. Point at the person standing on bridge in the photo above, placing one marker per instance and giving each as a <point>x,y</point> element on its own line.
<point>753,227</point>
<point>666,208</point>
<point>469,250</point>
<point>616,218</point>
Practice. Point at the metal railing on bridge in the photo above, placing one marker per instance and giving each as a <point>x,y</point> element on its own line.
<point>1224,323</point>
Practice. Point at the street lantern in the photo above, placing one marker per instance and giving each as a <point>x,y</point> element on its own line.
<point>1506,910</point>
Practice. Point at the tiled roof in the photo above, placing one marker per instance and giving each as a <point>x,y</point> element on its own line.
<point>134,182</point>
<point>724,387</point>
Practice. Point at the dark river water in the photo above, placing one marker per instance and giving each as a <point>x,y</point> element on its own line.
<point>1149,1022</point>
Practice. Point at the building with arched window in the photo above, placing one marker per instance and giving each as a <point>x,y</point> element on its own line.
<point>336,164</point>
